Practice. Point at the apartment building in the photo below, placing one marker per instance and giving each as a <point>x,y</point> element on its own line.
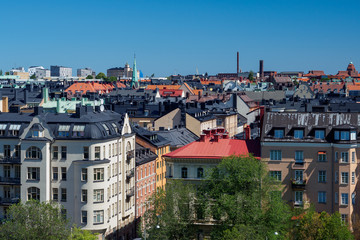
<point>315,157</point>
<point>84,72</point>
<point>60,71</point>
<point>84,161</point>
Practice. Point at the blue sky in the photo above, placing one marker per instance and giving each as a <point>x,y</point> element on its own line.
<point>171,37</point>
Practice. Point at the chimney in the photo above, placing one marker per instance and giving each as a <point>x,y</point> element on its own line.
<point>238,65</point>
<point>216,137</point>
<point>5,104</point>
<point>207,132</point>
<point>261,69</point>
<point>225,136</point>
<point>202,138</point>
<point>247,132</point>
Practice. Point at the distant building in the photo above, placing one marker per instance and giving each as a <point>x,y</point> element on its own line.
<point>32,69</point>
<point>22,75</point>
<point>84,72</point>
<point>42,73</point>
<point>60,71</point>
<point>18,69</point>
<point>119,72</point>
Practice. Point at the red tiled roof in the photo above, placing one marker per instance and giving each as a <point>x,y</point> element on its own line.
<point>217,150</point>
<point>171,92</point>
<point>153,87</point>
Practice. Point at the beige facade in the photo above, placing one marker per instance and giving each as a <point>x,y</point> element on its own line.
<point>168,121</point>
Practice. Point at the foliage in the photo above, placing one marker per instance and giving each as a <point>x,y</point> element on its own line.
<point>101,75</point>
<point>112,79</point>
<point>89,77</point>
<point>79,234</point>
<point>33,76</point>
<point>312,225</point>
<point>1,72</point>
<point>251,76</point>
<point>171,215</point>
<point>7,73</point>
<point>34,220</point>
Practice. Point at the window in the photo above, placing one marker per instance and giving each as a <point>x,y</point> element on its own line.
<point>322,156</point>
<point>344,199</point>
<point>106,129</point>
<point>275,155</point>
<point>276,175</point>
<point>353,159</point>
<point>84,195</point>
<point>97,153</point>
<point>55,173</point>
<point>98,195</point>
<point>299,134</point>
<point>200,172</point>
<point>99,216</point>
<point>115,127</point>
<point>298,198</point>
<point>322,176</point>
<point>33,193</point>
<point>336,177</point>
<point>63,130</point>
<point>184,172</point>
<point>63,173</point>
<point>78,131</point>
<point>98,174</point>
<point>279,133</point>
<point>345,157</point>
<point>7,152</point>
<point>14,129</point>
<point>299,156</point>
<point>336,156</point>
<point>7,171</point>
<point>319,134</point>
<point>344,218</point>
<point>336,198</point>
<point>33,153</point>
<point>353,178</point>
<point>344,177</point>
<point>55,194</point>
<point>299,175</point>
<point>17,151</point>
<point>55,152</point>
<point>2,129</point>
<point>33,173</point>
<point>353,135</point>
<point>322,197</point>
<point>344,135</point>
<point>17,171</point>
<point>63,195</point>
<point>63,152</point>
<point>353,195</point>
<point>86,153</point>
<point>83,216</point>
<point>84,174</point>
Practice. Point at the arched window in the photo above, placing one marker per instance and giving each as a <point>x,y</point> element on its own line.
<point>33,153</point>
<point>34,193</point>
<point>200,172</point>
<point>184,172</point>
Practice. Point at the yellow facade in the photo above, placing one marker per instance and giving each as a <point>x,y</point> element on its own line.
<point>160,167</point>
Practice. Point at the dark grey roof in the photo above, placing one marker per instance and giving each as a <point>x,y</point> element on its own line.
<point>143,155</point>
<point>151,137</point>
<point>178,137</point>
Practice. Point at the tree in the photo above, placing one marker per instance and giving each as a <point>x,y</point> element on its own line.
<point>1,72</point>
<point>312,225</point>
<point>170,214</point>
<point>244,199</point>
<point>112,79</point>
<point>79,234</point>
<point>33,76</point>
<point>101,75</point>
<point>34,220</point>
<point>251,76</point>
<point>89,77</point>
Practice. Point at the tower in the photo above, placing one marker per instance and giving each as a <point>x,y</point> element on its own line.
<point>134,79</point>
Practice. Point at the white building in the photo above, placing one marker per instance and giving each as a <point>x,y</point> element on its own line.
<point>60,71</point>
<point>84,161</point>
<point>42,73</point>
<point>84,72</point>
<point>32,69</point>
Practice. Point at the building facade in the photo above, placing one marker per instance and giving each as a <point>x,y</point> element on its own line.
<point>83,161</point>
<point>42,73</point>
<point>84,72</point>
<point>315,157</point>
<point>60,71</point>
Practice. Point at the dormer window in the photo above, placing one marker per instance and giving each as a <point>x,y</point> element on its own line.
<point>78,131</point>
<point>106,129</point>
<point>345,135</point>
<point>115,127</point>
<point>14,129</point>
<point>319,134</point>
<point>2,129</point>
<point>64,130</point>
<point>279,133</point>
<point>299,134</point>
<point>37,133</point>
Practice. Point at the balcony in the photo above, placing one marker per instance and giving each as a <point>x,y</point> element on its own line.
<point>130,173</point>
<point>129,155</point>
<point>298,184</point>
<point>298,164</point>
<point>9,201</point>
<point>130,192</point>
<point>9,181</point>
<point>10,160</point>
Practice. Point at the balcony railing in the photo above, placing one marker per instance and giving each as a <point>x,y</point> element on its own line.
<point>129,155</point>
<point>130,173</point>
<point>8,180</point>
<point>9,201</point>
<point>298,183</point>
<point>9,160</point>
<point>130,192</point>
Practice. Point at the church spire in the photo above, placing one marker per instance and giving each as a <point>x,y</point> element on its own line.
<point>134,79</point>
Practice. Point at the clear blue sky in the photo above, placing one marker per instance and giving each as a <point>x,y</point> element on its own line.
<point>179,36</point>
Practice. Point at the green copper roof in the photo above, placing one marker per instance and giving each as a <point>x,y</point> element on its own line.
<point>134,79</point>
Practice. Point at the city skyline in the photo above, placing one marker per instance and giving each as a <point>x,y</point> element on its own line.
<point>178,38</point>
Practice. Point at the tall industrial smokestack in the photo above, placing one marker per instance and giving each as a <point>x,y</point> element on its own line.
<point>238,66</point>
<point>261,69</point>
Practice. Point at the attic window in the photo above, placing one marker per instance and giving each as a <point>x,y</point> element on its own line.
<point>115,127</point>
<point>14,129</point>
<point>279,133</point>
<point>78,131</point>
<point>106,129</point>
<point>2,129</point>
<point>64,130</point>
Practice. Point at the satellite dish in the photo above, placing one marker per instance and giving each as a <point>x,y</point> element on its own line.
<point>102,108</point>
